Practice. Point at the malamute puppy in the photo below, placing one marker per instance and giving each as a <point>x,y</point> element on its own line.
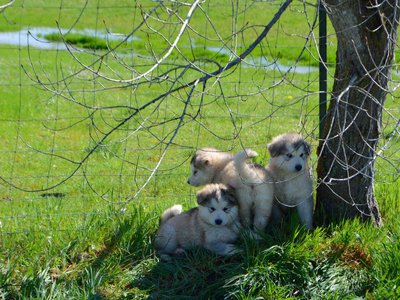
<point>214,224</point>
<point>253,185</point>
<point>293,185</point>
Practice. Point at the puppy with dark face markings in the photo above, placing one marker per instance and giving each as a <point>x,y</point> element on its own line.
<point>293,184</point>
<point>253,184</point>
<point>213,225</point>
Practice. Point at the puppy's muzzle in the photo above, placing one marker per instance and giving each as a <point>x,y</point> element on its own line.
<point>218,221</point>
<point>298,167</point>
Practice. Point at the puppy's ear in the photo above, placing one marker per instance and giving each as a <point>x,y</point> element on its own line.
<point>277,148</point>
<point>202,196</point>
<point>198,161</point>
<point>307,148</point>
<point>269,148</point>
<point>230,192</point>
<point>204,162</point>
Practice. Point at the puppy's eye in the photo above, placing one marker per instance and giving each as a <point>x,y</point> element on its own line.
<point>289,155</point>
<point>211,209</point>
<point>194,172</point>
<point>226,209</point>
<point>302,155</point>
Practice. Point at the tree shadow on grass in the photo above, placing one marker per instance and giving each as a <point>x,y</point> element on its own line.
<point>283,263</point>
<point>127,253</point>
<point>201,274</point>
<point>197,275</point>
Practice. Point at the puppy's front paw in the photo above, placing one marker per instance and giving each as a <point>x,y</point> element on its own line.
<point>260,222</point>
<point>231,249</point>
<point>179,252</point>
<point>223,249</point>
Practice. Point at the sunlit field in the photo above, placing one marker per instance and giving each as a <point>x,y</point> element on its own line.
<point>90,158</point>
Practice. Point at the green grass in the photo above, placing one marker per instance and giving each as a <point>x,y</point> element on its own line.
<point>70,243</point>
<point>112,257</point>
<point>80,40</point>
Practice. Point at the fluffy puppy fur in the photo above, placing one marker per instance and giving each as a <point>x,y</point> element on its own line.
<point>214,224</point>
<point>293,185</point>
<point>253,185</point>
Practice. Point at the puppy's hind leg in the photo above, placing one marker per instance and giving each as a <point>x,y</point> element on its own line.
<point>263,202</point>
<point>262,216</point>
<point>221,248</point>
<point>240,164</point>
<point>276,214</point>
<point>245,214</point>
<point>165,241</point>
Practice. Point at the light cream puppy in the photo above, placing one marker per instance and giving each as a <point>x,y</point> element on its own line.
<point>253,185</point>
<point>214,224</point>
<point>293,184</point>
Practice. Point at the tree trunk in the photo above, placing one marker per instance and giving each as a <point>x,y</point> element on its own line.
<point>366,35</point>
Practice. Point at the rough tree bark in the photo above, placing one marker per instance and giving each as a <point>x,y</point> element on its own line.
<point>366,35</point>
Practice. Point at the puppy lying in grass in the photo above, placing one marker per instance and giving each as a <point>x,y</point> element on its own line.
<point>214,224</point>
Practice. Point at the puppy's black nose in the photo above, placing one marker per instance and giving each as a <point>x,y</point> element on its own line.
<point>298,167</point>
<point>218,221</point>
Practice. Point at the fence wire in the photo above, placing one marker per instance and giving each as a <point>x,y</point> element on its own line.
<point>103,104</point>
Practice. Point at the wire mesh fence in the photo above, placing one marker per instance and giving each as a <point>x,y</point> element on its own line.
<point>102,104</point>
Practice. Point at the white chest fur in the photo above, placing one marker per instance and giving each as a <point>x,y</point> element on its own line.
<point>291,190</point>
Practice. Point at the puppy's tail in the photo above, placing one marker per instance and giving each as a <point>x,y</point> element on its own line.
<point>170,212</point>
<point>240,163</point>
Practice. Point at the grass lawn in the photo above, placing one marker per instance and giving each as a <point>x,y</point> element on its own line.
<point>79,201</point>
